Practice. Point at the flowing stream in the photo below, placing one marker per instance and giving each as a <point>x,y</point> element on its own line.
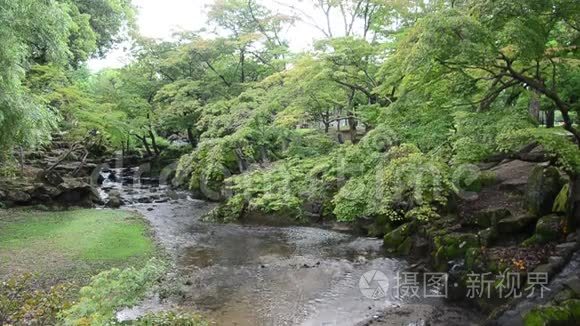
<point>257,275</point>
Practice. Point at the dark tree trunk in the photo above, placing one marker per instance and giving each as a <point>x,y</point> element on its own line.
<point>534,107</point>
<point>242,164</point>
<point>574,203</point>
<point>191,137</point>
<point>352,124</point>
<point>550,119</point>
<point>146,145</point>
<point>242,65</point>
<point>154,142</point>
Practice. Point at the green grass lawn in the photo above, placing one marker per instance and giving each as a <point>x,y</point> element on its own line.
<point>71,244</point>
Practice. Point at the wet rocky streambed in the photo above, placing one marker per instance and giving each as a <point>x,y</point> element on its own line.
<point>257,275</point>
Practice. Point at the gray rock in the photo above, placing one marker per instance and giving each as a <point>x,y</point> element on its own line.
<point>18,196</point>
<point>550,269</point>
<point>515,224</point>
<point>513,169</point>
<point>51,177</point>
<point>488,217</point>
<point>172,194</point>
<point>556,260</point>
<point>563,295</point>
<point>549,228</point>
<point>115,200</point>
<point>566,249</point>
<point>544,184</point>
<point>78,193</point>
<point>573,284</point>
<point>487,236</point>
<point>518,185</point>
<point>572,237</point>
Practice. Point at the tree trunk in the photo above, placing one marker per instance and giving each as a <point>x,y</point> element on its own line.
<point>550,119</point>
<point>154,142</point>
<point>534,106</point>
<point>21,159</point>
<point>242,65</point>
<point>146,145</point>
<point>352,123</point>
<point>242,164</point>
<point>191,137</point>
<point>574,203</point>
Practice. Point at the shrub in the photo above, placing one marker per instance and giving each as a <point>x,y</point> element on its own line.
<point>111,290</point>
<point>21,303</point>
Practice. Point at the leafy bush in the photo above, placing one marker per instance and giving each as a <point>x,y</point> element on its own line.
<point>482,134</point>
<point>555,141</point>
<point>111,290</point>
<point>22,303</point>
<point>405,185</point>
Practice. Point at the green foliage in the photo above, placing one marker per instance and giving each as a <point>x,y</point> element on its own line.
<point>567,312</point>
<point>555,141</point>
<point>480,135</point>
<point>57,34</point>
<point>111,290</point>
<point>406,184</point>
<point>561,201</point>
<point>22,303</point>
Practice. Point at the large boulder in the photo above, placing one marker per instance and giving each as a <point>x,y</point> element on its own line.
<point>487,217</point>
<point>512,170</point>
<point>516,224</point>
<point>453,246</point>
<point>544,185</point>
<point>399,240</point>
<point>114,200</point>
<point>77,193</point>
<point>550,228</point>
<point>17,196</point>
<point>52,178</point>
<point>487,236</point>
<point>44,193</point>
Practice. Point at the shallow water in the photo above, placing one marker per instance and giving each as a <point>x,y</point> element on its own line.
<point>256,275</point>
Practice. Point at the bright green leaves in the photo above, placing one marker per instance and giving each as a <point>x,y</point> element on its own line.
<point>404,185</point>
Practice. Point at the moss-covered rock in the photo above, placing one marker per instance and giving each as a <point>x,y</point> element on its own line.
<point>487,236</point>
<point>566,313</point>
<point>488,217</point>
<point>549,228</point>
<point>516,224</point>
<point>544,184</point>
<point>474,259</point>
<point>397,240</point>
<point>405,247</point>
<point>452,246</point>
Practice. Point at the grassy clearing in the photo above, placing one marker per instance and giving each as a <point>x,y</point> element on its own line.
<point>72,244</point>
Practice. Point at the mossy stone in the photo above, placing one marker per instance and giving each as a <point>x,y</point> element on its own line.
<point>544,185</point>
<point>549,228</point>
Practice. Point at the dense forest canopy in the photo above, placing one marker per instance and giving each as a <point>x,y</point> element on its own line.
<point>403,90</point>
